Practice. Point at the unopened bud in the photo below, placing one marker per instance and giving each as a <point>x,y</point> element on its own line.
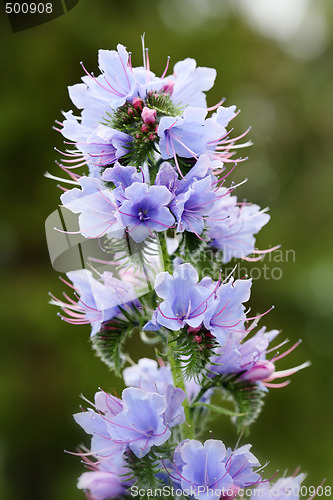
<point>148,115</point>
<point>137,103</point>
<point>168,87</point>
<point>260,371</point>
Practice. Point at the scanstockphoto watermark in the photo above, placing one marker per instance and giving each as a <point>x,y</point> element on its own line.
<point>273,492</point>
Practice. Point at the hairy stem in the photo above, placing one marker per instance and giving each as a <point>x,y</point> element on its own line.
<point>177,375</point>
<point>178,380</point>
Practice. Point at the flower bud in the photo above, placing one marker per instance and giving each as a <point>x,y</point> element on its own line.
<point>168,87</point>
<point>148,115</point>
<point>137,103</point>
<point>259,371</point>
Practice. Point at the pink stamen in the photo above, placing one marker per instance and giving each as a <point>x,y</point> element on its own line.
<point>212,108</point>
<point>288,351</point>
<point>277,386</point>
<point>217,314</point>
<point>99,84</point>
<point>261,315</point>
<point>129,63</point>
<point>166,68</point>
<point>268,250</point>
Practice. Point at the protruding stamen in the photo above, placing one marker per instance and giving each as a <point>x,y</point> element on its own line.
<point>166,68</point>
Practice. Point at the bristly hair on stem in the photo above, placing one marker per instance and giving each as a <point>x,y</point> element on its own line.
<point>144,471</point>
<point>248,400</point>
<point>193,347</point>
<point>246,397</point>
<point>109,342</point>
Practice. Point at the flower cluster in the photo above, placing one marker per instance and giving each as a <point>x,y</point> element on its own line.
<point>154,193</point>
<point>155,153</point>
<point>128,428</point>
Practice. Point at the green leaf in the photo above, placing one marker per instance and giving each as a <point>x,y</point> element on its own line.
<point>219,409</point>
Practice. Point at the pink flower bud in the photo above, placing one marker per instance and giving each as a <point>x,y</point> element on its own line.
<point>137,103</point>
<point>168,87</point>
<point>144,128</point>
<point>148,115</point>
<point>260,371</point>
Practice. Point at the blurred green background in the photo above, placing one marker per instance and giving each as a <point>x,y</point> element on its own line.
<point>275,62</point>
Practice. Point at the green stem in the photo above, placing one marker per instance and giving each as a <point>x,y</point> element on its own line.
<point>178,380</point>
<point>164,256</point>
<point>177,375</point>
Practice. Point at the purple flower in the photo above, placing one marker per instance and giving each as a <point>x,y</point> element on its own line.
<point>248,359</point>
<point>97,207</point>
<point>150,377</point>
<point>188,135</point>
<point>95,423</point>
<point>122,177</point>
<point>147,376</point>
<point>98,299</point>
<point>183,135</point>
<point>145,210</point>
<point>225,314</point>
<point>191,82</point>
<point>115,84</point>
<point>103,484</point>
<point>232,227</point>
<point>240,464</point>
<point>191,207</point>
<point>98,144</point>
<point>107,477</point>
<point>286,488</point>
<point>185,300</point>
<point>193,195</point>
<point>201,467</point>
<point>140,425</point>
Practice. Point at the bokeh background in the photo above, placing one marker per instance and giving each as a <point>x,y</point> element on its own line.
<point>275,62</point>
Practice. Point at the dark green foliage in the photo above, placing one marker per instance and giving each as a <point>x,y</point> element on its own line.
<point>193,348</point>
<point>163,104</point>
<point>248,401</point>
<point>246,397</point>
<point>144,470</point>
<point>109,342</point>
